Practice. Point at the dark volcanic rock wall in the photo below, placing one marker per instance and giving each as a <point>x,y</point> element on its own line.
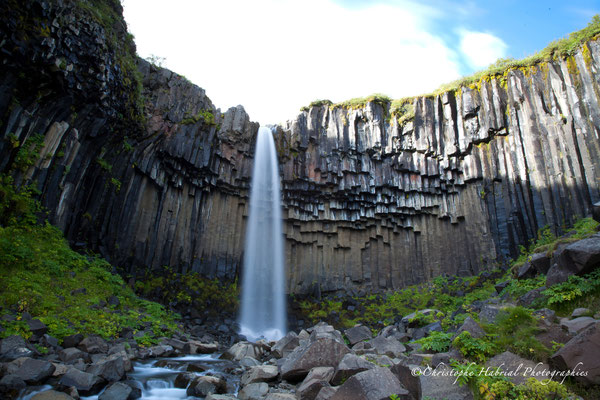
<point>475,174</point>
<point>369,202</point>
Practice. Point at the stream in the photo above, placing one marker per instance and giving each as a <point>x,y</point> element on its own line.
<point>156,377</point>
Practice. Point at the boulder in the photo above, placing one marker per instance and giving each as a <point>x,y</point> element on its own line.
<point>526,271</point>
<point>11,383</point>
<point>71,353</point>
<point>254,391</point>
<point>111,369</point>
<point>516,368</point>
<point>14,347</point>
<point>37,328</point>
<point>72,340</point>
<point>471,326</point>
<point>501,286</point>
<point>326,332</point>
<point>316,379</point>
<point>580,257</point>
<point>596,211</point>
<point>326,393</point>
<point>86,384</point>
<point>420,333</point>
<point>580,355</point>
<point>51,395</point>
<point>196,347</point>
<point>582,312</point>
<point>213,396</point>
<point>116,391</point>
<point>93,345</point>
<point>375,384</point>
<point>427,311</point>
<point>388,346</point>
<point>444,358</point>
<point>320,353</point>
<point>260,373</point>
<point>441,384</point>
<point>557,274</point>
<point>532,297</point>
<point>183,379</point>
<point>202,386</point>
<point>576,325</point>
<point>280,396</point>
<point>243,349</point>
<point>357,334</point>
<point>161,350</point>
<point>350,365</point>
<point>285,345</point>
<point>35,371</point>
<point>407,379</point>
<point>489,312</point>
<point>540,262</point>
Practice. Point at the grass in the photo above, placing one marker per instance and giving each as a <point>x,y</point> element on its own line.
<point>67,291</point>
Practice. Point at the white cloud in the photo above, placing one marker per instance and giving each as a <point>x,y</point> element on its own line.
<point>481,49</point>
<point>274,56</point>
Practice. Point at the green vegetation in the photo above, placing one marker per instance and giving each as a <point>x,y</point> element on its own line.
<point>206,116</point>
<point>436,341</point>
<point>359,102</point>
<point>187,289</point>
<point>317,103</point>
<point>66,290</point>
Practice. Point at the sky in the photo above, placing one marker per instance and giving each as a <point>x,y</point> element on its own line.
<point>275,56</point>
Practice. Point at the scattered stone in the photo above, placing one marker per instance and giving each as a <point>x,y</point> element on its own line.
<point>388,346</point>
<point>527,271</point>
<point>93,345</point>
<point>574,326</point>
<point>532,297</point>
<point>243,349</point>
<point>280,396</point>
<point>444,358</point>
<point>427,311</point>
<point>202,386</point>
<point>443,386</point>
<point>581,354</point>
<point>407,378</point>
<point>35,371</point>
<point>420,333</point>
<point>14,347</point>
<point>375,384</point>
<point>116,391</point>
<point>357,334</point>
<point>70,354</point>
<point>10,383</point>
<point>261,373</point>
<point>37,328</point>
<point>350,365</point>
<point>51,395</point>
<point>501,286</point>
<point>111,369</point>
<point>326,393</point>
<point>557,274</point>
<point>183,379</point>
<point>580,257</point>
<point>541,263</point>
<point>471,326</point>
<point>285,345</point>
<point>86,384</point>
<point>489,312</point>
<point>516,368</point>
<point>316,379</point>
<point>582,312</point>
<point>72,340</point>
<point>320,353</point>
<point>254,391</point>
<point>196,347</point>
<point>161,350</point>
<point>249,362</point>
<point>213,396</point>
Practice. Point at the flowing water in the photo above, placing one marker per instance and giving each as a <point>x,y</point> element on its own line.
<point>263,308</point>
<point>156,377</point>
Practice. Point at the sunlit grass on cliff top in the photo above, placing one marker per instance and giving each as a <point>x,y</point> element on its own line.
<point>561,48</point>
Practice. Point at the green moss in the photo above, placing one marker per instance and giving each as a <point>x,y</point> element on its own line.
<point>203,115</point>
<point>359,102</point>
<point>41,275</point>
<point>317,103</point>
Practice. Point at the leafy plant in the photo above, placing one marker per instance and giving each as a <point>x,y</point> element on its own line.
<point>436,341</point>
<point>574,288</point>
<point>474,348</point>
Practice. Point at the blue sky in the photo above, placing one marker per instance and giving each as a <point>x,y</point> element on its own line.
<point>275,56</point>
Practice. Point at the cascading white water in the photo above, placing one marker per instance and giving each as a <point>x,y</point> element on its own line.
<point>263,308</point>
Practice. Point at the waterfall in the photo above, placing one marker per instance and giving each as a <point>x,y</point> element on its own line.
<point>263,307</point>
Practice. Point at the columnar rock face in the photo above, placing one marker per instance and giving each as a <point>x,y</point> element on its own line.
<point>371,200</point>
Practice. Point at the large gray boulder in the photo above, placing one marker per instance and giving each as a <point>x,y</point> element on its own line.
<point>316,379</point>
<point>325,352</point>
<point>387,346</point>
<point>116,391</point>
<point>111,369</point>
<point>285,345</point>
<point>581,354</point>
<point>580,257</point>
<point>357,334</point>
<point>14,347</point>
<point>350,365</point>
<point>516,368</point>
<point>93,345</point>
<point>204,385</point>
<point>443,386</point>
<point>86,384</point>
<point>71,354</point>
<point>254,391</point>
<point>375,384</point>
<point>243,349</point>
<point>471,326</point>
<point>576,325</point>
<point>35,371</point>
<point>51,395</point>
<point>260,373</point>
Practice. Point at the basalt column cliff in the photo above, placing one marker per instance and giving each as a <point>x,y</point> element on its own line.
<point>156,176</point>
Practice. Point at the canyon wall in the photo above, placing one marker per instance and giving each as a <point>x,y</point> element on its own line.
<point>156,176</point>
